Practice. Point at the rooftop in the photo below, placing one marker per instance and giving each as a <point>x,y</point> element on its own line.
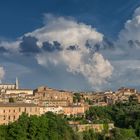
<point>17,105</point>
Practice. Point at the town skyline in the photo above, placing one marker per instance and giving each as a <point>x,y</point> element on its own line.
<point>18,86</point>
<point>69,70</point>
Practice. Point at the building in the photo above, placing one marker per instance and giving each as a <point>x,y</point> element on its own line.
<point>53,103</point>
<point>4,87</point>
<point>14,89</point>
<point>10,112</point>
<point>52,97</point>
<point>56,110</point>
<point>19,91</point>
<point>74,110</point>
<point>127,91</point>
<point>95,127</point>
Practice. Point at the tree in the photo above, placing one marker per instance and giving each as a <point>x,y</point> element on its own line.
<point>11,100</point>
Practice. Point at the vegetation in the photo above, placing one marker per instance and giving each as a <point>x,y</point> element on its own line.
<point>12,100</point>
<point>77,98</point>
<point>125,116</point>
<point>115,134</point>
<point>45,127</point>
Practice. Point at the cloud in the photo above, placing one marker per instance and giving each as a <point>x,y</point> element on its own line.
<point>29,45</point>
<point>2,73</point>
<point>3,50</point>
<point>51,47</point>
<point>130,35</point>
<point>63,42</point>
<point>69,38</point>
<point>78,52</point>
<point>65,31</point>
<point>10,46</point>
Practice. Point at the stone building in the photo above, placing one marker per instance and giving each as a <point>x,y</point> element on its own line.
<point>75,110</point>
<point>52,97</point>
<point>19,91</point>
<point>95,127</point>
<point>56,110</point>
<point>10,112</point>
<point>4,87</point>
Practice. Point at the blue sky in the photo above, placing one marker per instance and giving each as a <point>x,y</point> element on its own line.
<point>19,17</point>
<point>35,64</point>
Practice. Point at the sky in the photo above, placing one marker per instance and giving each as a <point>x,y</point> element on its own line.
<point>73,45</point>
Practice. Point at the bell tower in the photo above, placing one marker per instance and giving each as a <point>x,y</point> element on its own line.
<point>17,83</point>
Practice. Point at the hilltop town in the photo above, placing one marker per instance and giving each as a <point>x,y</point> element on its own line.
<point>15,100</point>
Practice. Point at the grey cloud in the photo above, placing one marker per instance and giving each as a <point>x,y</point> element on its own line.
<point>55,46</point>
<point>3,50</point>
<point>29,45</point>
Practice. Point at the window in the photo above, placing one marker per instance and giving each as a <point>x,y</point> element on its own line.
<point>9,117</point>
<point>14,110</point>
<point>36,109</point>
<point>14,117</point>
<point>25,109</point>
<point>30,109</point>
<point>4,111</point>
<point>19,109</point>
<point>4,118</point>
<point>9,110</point>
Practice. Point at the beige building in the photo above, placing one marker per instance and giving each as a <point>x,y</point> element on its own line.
<point>53,103</point>
<point>10,112</point>
<point>4,87</point>
<point>95,127</point>
<point>74,110</point>
<point>53,97</point>
<point>14,89</point>
<point>19,91</point>
<point>56,110</point>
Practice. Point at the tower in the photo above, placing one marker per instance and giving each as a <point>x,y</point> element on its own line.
<point>17,84</point>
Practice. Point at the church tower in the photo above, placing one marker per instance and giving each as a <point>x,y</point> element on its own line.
<point>17,84</point>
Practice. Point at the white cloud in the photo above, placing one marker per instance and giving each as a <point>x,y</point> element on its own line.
<point>67,32</point>
<point>131,31</point>
<point>11,46</point>
<point>82,61</point>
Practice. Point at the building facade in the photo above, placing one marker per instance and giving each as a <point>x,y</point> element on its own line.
<point>4,87</point>
<point>52,97</point>
<point>10,112</point>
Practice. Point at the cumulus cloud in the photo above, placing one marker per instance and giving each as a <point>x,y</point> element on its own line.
<point>80,50</point>
<point>10,46</point>
<point>130,35</point>
<point>65,31</point>
<point>72,52</point>
<point>29,45</point>
<point>63,42</point>
<point>2,73</point>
